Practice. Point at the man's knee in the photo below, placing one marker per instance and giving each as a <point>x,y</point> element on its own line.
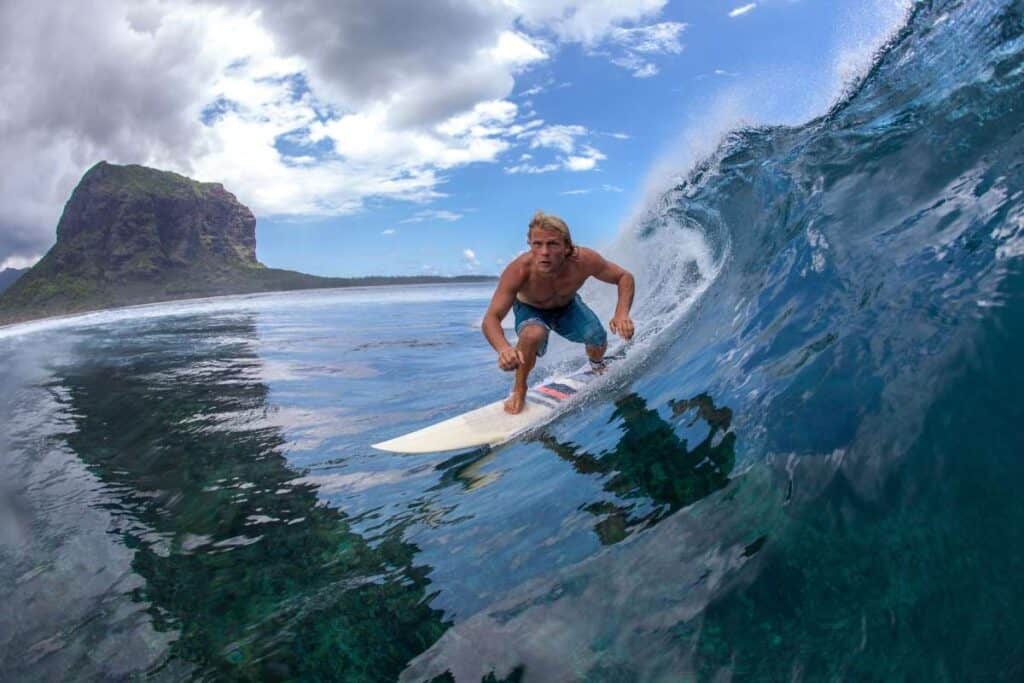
<point>532,336</point>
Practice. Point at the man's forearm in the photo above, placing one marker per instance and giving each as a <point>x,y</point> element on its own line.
<point>626,288</point>
<point>495,336</point>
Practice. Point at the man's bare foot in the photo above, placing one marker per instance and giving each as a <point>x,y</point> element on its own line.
<point>514,403</point>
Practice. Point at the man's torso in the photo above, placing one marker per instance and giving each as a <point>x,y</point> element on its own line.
<point>557,290</point>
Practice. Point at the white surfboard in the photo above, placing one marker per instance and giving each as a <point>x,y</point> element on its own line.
<point>491,425</point>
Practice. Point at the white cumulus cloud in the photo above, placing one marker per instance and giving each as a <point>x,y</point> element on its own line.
<point>587,22</point>
<point>635,47</point>
<point>586,160</point>
<point>564,139</point>
<point>740,11</point>
<point>433,214</point>
<point>305,108</point>
<point>663,37</point>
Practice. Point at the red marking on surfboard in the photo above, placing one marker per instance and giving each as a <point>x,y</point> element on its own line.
<point>554,393</point>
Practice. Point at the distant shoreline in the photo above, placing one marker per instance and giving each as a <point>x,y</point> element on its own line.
<point>376,280</point>
<point>352,283</point>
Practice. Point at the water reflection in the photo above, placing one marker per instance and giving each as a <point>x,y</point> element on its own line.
<point>260,579</point>
<point>653,462</point>
<point>466,469</point>
<point>615,615</point>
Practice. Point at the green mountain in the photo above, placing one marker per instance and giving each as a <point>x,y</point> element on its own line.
<point>134,235</point>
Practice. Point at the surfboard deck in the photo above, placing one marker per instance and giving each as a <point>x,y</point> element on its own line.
<point>491,425</point>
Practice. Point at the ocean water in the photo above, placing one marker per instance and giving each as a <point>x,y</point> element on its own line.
<point>809,467</point>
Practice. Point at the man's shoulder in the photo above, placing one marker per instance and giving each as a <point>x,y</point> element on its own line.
<point>588,258</point>
<point>518,269</point>
<point>521,262</point>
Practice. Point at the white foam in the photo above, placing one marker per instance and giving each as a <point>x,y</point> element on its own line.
<point>863,33</point>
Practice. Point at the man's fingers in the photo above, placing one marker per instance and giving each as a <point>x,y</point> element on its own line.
<point>620,325</point>
<point>510,360</point>
<point>622,328</point>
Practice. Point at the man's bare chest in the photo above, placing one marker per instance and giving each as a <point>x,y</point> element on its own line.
<point>552,292</point>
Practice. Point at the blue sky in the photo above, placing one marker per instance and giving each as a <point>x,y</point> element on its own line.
<point>409,138</point>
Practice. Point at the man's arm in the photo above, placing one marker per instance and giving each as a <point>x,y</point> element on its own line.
<point>509,358</point>
<point>606,271</point>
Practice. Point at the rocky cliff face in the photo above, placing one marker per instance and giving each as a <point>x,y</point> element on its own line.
<point>131,234</point>
<point>131,222</point>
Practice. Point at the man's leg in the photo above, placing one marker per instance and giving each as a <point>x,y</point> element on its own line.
<point>530,339</point>
<point>581,325</point>
<point>596,356</point>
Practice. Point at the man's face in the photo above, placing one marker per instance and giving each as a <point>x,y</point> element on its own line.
<point>548,248</point>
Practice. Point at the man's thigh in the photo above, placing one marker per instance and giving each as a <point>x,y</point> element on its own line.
<point>528,317</point>
<point>581,325</point>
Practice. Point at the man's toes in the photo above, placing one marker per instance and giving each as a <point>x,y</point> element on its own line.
<point>514,405</point>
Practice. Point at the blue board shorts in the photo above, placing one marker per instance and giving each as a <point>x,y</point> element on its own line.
<point>574,321</point>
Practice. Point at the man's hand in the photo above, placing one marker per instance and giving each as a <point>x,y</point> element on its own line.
<point>510,358</point>
<point>622,326</point>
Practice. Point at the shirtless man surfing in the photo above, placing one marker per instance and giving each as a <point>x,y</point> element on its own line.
<point>541,288</point>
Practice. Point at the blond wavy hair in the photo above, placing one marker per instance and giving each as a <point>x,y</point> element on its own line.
<point>547,221</point>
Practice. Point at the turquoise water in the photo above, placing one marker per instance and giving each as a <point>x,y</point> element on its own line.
<point>808,468</point>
